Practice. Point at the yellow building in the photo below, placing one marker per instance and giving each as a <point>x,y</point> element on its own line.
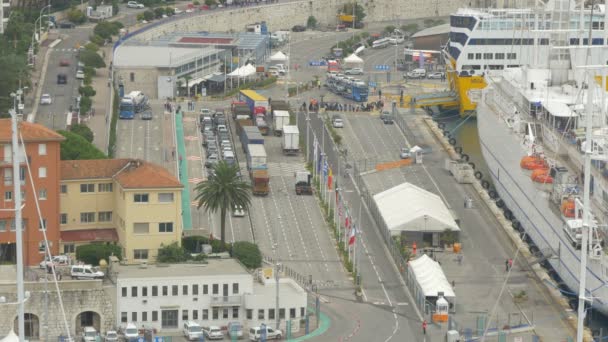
<point>129,202</point>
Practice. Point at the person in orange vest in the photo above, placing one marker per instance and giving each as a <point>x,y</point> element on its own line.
<point>424,327</point>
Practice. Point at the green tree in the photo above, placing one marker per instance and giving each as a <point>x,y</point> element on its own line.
<point>312,22</point>
<point>90,72</point>
<point>75,147</point>
<point>158,12</point>
<point>410,28</point>
<point>97,40</point>
<point>87,91</point>
<point>172,253</point>
<point>93,253</point>
<point>91,46</point>
<point>169,11</point>
<point>76,16</point>
<point>359,11</point>
<point>115,8</point>
<point>247,253</point>
<point>82,130</point>
<point>10,77</point>
<point>196,3</point>
<point>85,104</point>
<point>222,191</point>
<point>148,15</point>
<point>92,59</point>
<point>107,29</point>
<point>210,2</point>
<point>389,29</point>
<point>140,16</point>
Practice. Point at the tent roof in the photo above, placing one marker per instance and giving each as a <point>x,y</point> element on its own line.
<point>430,277</point>
<point>353,59</point>
<point>407,207</point>
<point>243,71</point>
<point>278,57</point>
<point>11,337</point>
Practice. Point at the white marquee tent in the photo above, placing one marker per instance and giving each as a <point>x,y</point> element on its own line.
<point>353,61</point>
<point>409,208</point>
<point>430,277</point>
<point>279,57</point>
<point>244,71</point>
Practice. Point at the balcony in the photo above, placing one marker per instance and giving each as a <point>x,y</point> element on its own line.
<point>226,300</point>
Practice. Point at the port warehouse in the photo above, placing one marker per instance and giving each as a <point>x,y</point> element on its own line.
<point>158,68</point>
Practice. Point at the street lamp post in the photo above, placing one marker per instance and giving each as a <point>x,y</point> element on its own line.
<point>40,17</point>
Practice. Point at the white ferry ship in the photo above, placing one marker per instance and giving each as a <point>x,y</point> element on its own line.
<point>531,123</point>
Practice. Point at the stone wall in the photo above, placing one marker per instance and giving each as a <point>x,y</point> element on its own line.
<point>79,296</point>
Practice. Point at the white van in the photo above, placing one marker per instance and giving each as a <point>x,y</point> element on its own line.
<point>85,272</point>
<point>89,334</point>
<point>192,331</point>
<point>131,331</point>
<point>255,333</point>
<point>417,73</point>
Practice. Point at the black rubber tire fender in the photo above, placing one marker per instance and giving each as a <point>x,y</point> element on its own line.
<point>452,141</point>
<point>464,157</point>
<point>493,194</point>
<point>458,149</point>
<point>485,184</point>
<point>472,165</point>
<point>508,214</point>
<point>446,133</point>
<point>500,203</point>
<point>441,125</point>
<point>478,175</point>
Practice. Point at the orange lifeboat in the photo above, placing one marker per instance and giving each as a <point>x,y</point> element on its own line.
<point>568,208</point>
<point>542,176</point>
<point>533,163</point>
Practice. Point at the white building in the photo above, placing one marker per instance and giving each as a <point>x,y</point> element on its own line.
<point>165,296</point>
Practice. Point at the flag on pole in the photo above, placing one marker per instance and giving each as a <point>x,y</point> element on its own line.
<point>330,178</point>
<point>347,221</point>
<point>325,167</point>
<point>352,236</point>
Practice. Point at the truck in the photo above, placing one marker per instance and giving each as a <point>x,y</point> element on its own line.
<point>242,123</point>
<point>261,124</point>
<point>303,186</point>
<point>259,182</point>
<point>132,103</point>
<point>256,157</point>
<point>280,119</point>
<point>257,103</point>
<point>291,140</point>
<point>240,110</point>
<point>250,135</point>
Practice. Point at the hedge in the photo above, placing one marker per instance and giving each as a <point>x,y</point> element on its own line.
<point>93,253</point>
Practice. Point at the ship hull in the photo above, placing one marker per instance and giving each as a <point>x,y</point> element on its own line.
<point>502,150</point>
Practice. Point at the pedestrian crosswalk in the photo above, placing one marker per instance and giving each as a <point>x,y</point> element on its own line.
<point>65,50</point>
<point>284,169</point>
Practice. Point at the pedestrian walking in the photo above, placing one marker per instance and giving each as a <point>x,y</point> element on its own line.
<point>507,265</point>
<point>510,263</point>
<point>424,324</point>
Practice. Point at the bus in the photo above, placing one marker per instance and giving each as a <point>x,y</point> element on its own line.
<point>381,43</point>
<point>257,103</point>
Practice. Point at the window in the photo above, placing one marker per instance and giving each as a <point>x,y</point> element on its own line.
<point>69,248</point>
<point>42,224</point>
<point>124,291</point>
<point>281,313</point>
<point>195,290</point>
<point>292,313</point>
<point>42,172</point>
<point>215,313</point>
<point>42,194</point>
<point>133,291</point>
<point>87,187</point>
<point>235,312</point>
<point>144,291</point>
<point>154,291</point>
<point>488,55</point>
<point>205,314</point>
<point>174,290</point>
<point>185,315</point>
<point>141,228</point>
<point>225,313</point>
<point>185,290</point>
<point>42,149</point>
<point>154,316</point>
<point>470,55</point>
<point>8,196</point>
<point>165,291</point>
<point>8,153</point>
<point>165,227</point>
<point>132,77</point>
<point>141,254</point>
<point>249,313</point>
<point>478,56</point>
<point>235,288</point>
<point>302,312</point>
<point>260,313</point>
<point>87,217</point>
<point>104,216</point>
<point>144,316</point>
<point>511,55</point>
<point>3,226</point>
<point>271,314</point>
<point>205,289</point>
<point>499,55</point>
<point>133,316</point>
<point>216,289</point>
<point>42,246</point>
<point>165,197</point>
<point>22,175</point>
<point>140,198</point>
<point>8,176</point>
<point>194,314</point>
<point>64,188</point>
<point>123,317</point>
<point>104,187</point>
<point>63,218</point>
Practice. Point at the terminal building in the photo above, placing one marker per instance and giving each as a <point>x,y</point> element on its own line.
<point>185,63</point>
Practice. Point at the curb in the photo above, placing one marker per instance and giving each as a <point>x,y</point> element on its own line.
<point>325,323</point>
<point>32,116</point>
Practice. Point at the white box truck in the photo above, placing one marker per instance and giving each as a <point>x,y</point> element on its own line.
<point>291,140</point>
<point>256,157</point>
<point>280,119</point>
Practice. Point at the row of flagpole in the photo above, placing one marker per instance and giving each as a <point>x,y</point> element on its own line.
<point>323,172</point>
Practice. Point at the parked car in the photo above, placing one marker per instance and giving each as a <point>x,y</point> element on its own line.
<point>66,25</point>
<point>255,333</point>
<point>111,336</point>
<point>58,260</point>
<point>212,160</point>
<point>46,99</point>
<point>134,4</point>
<point>337,122</point>
<point>80,74</point>
<point>192,331</point>
<point>404,153</point>
<point>416,73</point>
<point>213,333</point>
<point>354,71</point>
<point>89,334</point>
<point>177,11</point>
<point>146,114</point>
<point>298,28</point>
<point>62,79</point>
<point>238,211</point>
<point>437,75</point>
<point>85,272</point>
<point>64,62</point>
<point>387,117</point>
<point>235,330</point>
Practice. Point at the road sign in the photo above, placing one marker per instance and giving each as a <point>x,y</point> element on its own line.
<point>372,84</point>
<point>382,67</point>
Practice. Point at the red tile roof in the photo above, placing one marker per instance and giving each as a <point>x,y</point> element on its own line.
<point>29,131</point>
<point>81,235</point>
<point>129,173</point>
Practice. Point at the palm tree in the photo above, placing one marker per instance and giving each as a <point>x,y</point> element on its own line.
<point>223,191</point>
